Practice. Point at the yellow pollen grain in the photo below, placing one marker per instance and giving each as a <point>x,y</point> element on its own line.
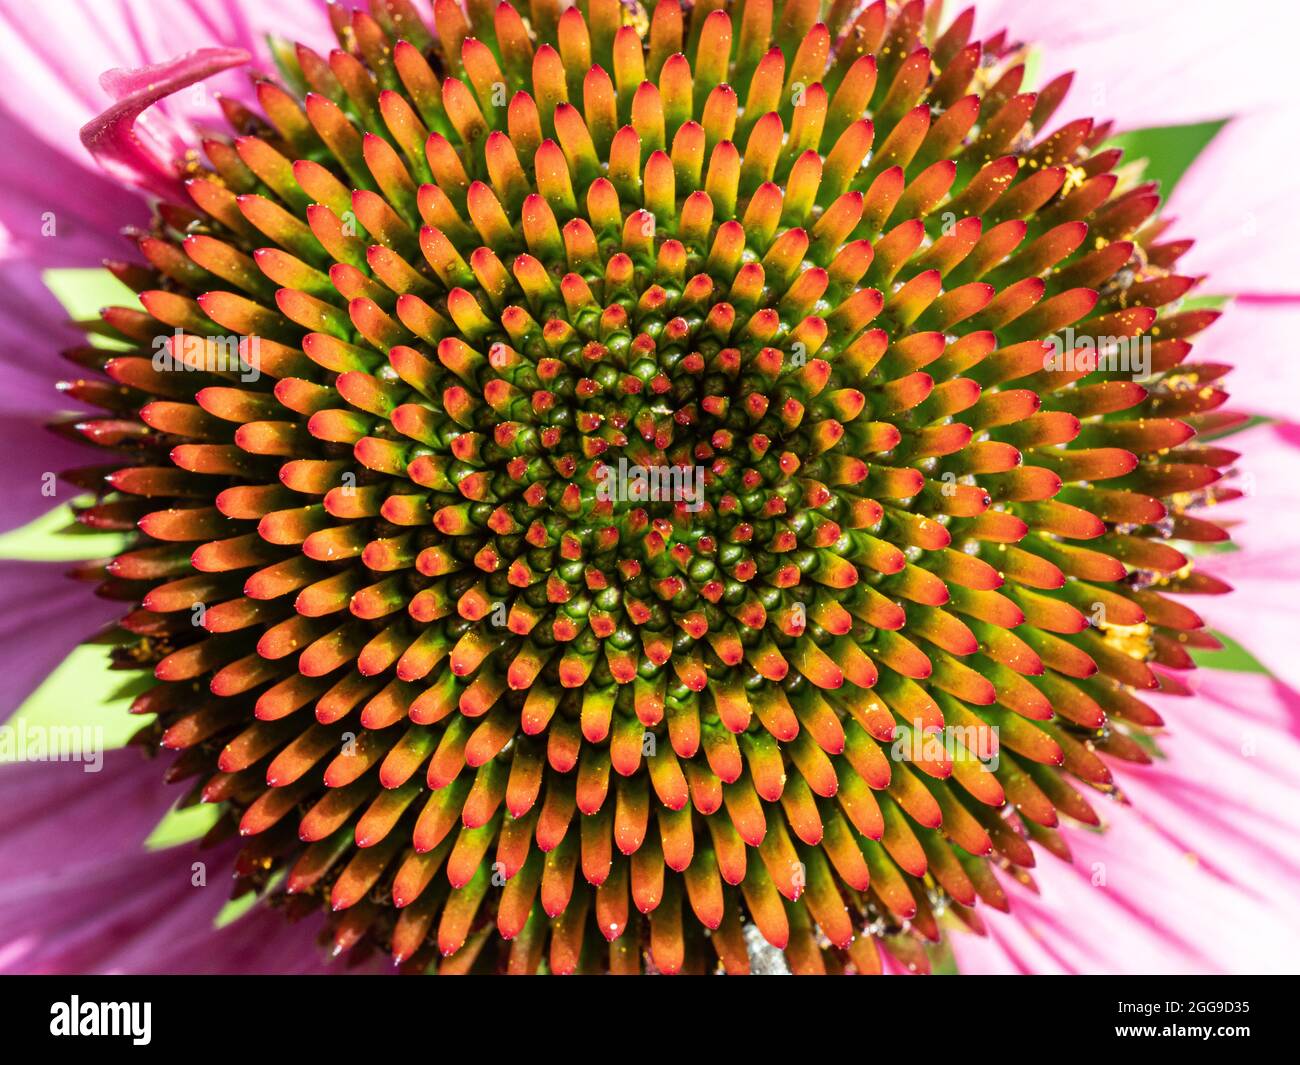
<point>1131,640</point>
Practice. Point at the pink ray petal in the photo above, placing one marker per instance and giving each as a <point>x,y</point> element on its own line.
<point>43,616</point>
<point>1237,200</point>
<point>1160,63</point>
<point>79,894</point>
<point>1257,335</point>
<point>1197,875</point>
<point>32,328</point>
<point>112,137</point>
<point>1265,569</point>
<point>53,91</point>
<point>55,211</point>
<point>54,74</point>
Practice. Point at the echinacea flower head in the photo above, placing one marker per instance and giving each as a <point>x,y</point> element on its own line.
<point>620,490</point>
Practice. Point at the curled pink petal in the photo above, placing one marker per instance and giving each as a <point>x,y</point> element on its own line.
<point>112,137</point>
<point>55,74</point>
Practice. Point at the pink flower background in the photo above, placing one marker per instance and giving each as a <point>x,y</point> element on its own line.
<point>1198,872</point>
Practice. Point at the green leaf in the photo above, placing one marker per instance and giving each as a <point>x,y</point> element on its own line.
<point>233,910</point>
<point>1167,150</point>
<point>1233,657</point>
<point>181,826</point>
<point>83,292</point>
<point>57,537</point>
<point>82,693</point>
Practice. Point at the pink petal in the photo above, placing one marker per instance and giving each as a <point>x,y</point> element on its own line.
<point>1158,63</point>
<point>1265,570</point>
<point>54,74</point>
<point>34,453</point>
<point>55,212</point>
<point>1198,875</point>
<point>79,894</point>
<point>1228,789</point>
<point>53,91</point>
<point>43,615</point>
<point>1257,336</point>
<point>1237,200</point>
<point>35,837</point>
<point>112,137</point>
<point>32,328</point>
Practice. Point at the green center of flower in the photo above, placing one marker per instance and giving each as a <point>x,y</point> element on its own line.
<point>615,489</point>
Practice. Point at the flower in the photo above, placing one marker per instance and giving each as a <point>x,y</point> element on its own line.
<point>531,428</point>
